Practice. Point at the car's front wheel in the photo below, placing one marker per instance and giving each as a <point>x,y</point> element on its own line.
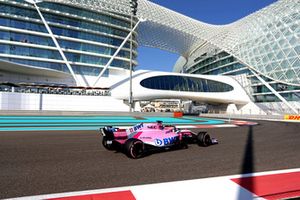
<point>203,139</point>
<point>134,148</point>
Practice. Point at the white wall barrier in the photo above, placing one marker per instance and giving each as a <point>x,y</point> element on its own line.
<point>29,101</point>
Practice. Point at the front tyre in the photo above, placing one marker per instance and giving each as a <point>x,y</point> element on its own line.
<point>108,144</point>
<point>134,148</point>
<point>203,139</point>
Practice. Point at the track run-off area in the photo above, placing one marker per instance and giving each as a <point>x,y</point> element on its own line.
<point>62,157</point>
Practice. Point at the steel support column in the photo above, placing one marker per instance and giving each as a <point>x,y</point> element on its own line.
<point>116,53</point>
<point>55,42</point>
<point>274,91</point>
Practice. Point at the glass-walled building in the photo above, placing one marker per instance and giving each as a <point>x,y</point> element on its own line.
<point>87,38</point>
<point>223,63</point>
<point>261,51</point>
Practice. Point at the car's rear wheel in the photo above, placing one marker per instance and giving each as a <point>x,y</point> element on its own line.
<point>203,139</point>
<point>108,144</point>
<point>134,148</point>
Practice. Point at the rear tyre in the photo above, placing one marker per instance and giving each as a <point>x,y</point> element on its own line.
<point>108,144</point>
<point>203,139</point>
<point>134,148</point>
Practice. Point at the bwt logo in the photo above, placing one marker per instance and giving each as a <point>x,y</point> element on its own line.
<point>136,127</point>
<point>166,141</point>
<point>158,142</point>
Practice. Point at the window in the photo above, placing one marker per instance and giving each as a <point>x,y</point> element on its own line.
<point>88,36</point>
<point>184,83</point>
<point>48,65</point>
<point>29,51</point>
<point>89,71</point>
<point>85,13</point>
<point>22,25</point>
<point>26,38</point>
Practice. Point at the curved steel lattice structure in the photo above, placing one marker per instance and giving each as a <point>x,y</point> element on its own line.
<point>163,28</point>
<point>266,41</point>
<point>269,41</point>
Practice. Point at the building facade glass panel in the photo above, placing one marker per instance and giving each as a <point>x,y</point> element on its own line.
<point>26,38</point>
<point>14,10</point>
<point>92,48</point>
<point>85,25</point>
<point>89,71</point>
<point>88,14</point>
<point>45,64</point>
<point>29,51</point>
<point>20,24</point>
<point>88,36</point>
<point>105,28</point>
<point>185,84</point>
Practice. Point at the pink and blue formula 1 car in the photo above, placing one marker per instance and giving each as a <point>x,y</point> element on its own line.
<point>144,137</point>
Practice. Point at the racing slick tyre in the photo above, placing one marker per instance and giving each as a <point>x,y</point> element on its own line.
<point>134,148</point>
<point>108,144</point>
<point>203,139</point>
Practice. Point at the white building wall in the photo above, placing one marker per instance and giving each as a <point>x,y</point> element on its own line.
<point>26,101</point>
<point>19,101</point>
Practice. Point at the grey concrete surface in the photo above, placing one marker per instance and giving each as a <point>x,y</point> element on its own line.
<point>33,163</point>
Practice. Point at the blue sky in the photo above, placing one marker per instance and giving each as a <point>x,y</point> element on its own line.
<point>209,11</point>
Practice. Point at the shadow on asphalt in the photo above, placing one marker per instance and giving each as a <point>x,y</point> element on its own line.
<point>248,166</point>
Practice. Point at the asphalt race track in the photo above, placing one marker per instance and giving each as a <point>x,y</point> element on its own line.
<point>39,162</point>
